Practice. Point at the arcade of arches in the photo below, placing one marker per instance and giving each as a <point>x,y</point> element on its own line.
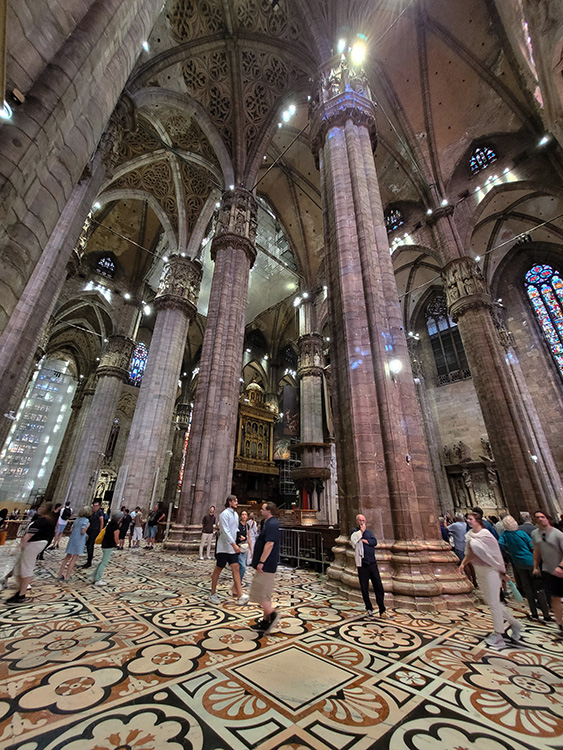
<point>236,256</point>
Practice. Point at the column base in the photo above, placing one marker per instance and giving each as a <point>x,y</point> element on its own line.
<point>415,575</point>
<point>184,539</point>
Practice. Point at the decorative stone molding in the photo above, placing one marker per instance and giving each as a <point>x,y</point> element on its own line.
<point>310,355</point>
<point>123,119</point>
<point>342,94</point>
<point>465,286</point>
<point>237,223</point>
<point>500,319</point>
<point>116,357</point>
<point>439,213</point>
<point>179,285</point>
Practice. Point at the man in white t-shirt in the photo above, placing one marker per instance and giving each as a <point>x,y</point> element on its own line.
<point>227,550</point>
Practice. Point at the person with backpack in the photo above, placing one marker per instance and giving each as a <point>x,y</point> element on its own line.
<point>63,517</point>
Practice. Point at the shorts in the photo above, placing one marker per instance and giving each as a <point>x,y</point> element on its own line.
<point>225,558</point>
<point>150,533</point>
<point>26,559</point>
<point>262,587</point>
<point>552,584</point>
<point>137,533</point>
<point>61,526</point>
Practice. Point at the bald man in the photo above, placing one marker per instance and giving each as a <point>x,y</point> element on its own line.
<point>364,543</point>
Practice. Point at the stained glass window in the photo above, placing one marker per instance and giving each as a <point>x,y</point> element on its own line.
<point>106,267</point>
<point>544,288</point>
<point>480,159</point>
<point>393,219</point>
<point>138,364</point>
<point>447,347</point>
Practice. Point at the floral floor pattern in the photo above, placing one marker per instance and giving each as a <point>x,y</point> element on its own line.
<point>148,663</point>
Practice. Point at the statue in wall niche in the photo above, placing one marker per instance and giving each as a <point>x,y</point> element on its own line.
<point>468,482</point>
<point>486,445</point>
<point>447,454</point>
<point>462,452</point>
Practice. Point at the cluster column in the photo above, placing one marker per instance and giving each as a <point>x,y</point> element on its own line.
<point>383,464</point>
<point>181,425</point>
<point>110,376</point>
<point>209,460</point>
<point>524,461</point>
<point>313,451</point>
<point>175,305</point>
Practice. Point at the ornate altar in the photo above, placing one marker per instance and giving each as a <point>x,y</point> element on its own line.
<point>473,482</point>
<point>255,433</point>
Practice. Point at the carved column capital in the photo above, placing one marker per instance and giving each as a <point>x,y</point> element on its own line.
<point>237,223</point>
<point>342,93</point>
<point>465,287</point>
<point>310,355</point>
<point>179,286</point>
<point>116,357</point>
<point>183,412</point>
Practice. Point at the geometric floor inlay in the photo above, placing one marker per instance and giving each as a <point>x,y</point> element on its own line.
<point>148,663</point>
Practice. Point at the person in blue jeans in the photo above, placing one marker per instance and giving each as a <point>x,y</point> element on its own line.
<point>517,545</point>
<point>109,543</point>
<point>243,541</point>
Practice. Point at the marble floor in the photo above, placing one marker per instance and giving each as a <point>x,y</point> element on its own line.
<point>147,663</point>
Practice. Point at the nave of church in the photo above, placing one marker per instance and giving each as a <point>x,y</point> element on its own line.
<point>148,663</point>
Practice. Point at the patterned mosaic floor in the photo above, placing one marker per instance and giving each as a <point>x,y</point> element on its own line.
<point>149,664</point>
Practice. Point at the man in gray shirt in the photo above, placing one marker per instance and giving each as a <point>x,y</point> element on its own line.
<point>548,551</point>
<point>457,532</point>
<point>227,550</point>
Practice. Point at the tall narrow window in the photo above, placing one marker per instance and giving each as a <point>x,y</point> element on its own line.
<point>447,347</point>
<point>138,364</point>
<point>480,159</point>
<point>544,288</point>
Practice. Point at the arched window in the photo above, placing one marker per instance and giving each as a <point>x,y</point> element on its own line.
<point>106,267</point>
<point>544,287</point>
<point>449,354</point>
<point>138,364</point>
<point>393,219</point>
<point>480,159</point>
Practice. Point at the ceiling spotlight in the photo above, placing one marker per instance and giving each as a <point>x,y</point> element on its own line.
<point>147,310</point>
<point>247,351</point>
<point>292,109</point>
<point>444,202</point>
<point>97,205</point>
<point>341,46</point>
<point>182,255</point>
<point>358,53</point>
<point>165,258</point>
<point>477,258</point>
<point>231,187</point>
<point>279,124</point>
<point>265,157</point>
<point>429,212</point>
<point>266,357</point>
<point>126,295</point>
<point>395,366</point>
<point>297,302</point>
<point>146,46</point>
<point>305,295</point>
<point>217,205</point>
<point>544,140</point>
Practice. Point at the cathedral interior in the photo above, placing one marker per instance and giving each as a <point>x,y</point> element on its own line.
<point>307,251</point>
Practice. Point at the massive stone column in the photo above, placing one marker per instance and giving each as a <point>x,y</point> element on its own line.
<point>523,458</point>
<point>58,481</point>
<point>383,464</point>
<point>181,425</point>
<point>175,305</point>
<point>209,460</point>
<point>110,375</point>
<point>312,450</point>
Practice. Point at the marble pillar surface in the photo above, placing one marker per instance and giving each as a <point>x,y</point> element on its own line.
<point>143,462</point>
<point>383,465</point>
<point>209,460</point>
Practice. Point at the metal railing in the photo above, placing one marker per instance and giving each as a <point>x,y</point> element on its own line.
<point>303,548</point>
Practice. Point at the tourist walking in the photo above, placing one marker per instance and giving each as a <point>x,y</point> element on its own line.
<point>76,544</point>
<point>207,532</point>
<point>526,523</point>
<point>243,541</point>
<point>124,526</point>
<point>265,561</point>
<point>483,551</point>
<point>37,537</point>
<point>63,517</point>
<point>109,543</point>
<point>96,525</point>
<point>137,527</point>
<point>364,542</point>
<point>158,514</point>
<point>519,548</point>
<point>227,551</point>
<point>548,561</point>
<point>457,532</point>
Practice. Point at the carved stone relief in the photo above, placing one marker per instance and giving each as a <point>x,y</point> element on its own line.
<point>179,285</point>
<point>310,355</point>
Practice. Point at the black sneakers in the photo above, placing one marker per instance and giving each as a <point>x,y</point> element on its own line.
<point>17,599</point>
<point>267,625</point>
<point>260,626</point>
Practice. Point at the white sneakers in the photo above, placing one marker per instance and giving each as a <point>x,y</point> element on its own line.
<point>100,583</point>
<point>515,631</point>
<point>214,598</point>
<point>495,640</point>
<point>243,599</point>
